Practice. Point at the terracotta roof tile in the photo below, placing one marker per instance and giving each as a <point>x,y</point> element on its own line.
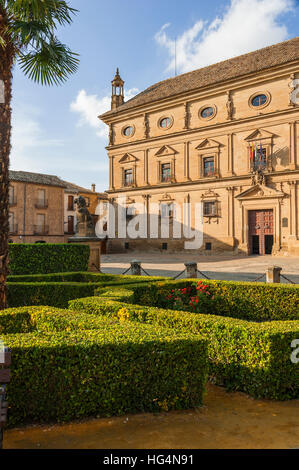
<point>243,65</point>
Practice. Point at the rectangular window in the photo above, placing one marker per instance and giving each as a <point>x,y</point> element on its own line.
<point>128,177</point>
<point>208,246</point>
<point>70,224</point>
<point>209,208</point>
<point>209,166</point>
<point>87,200</point>
<point>40,228</point>
<point>165,172</point>
<point>70,203</point>
<point>41,202</point>
<point>258,158</point>
<point>166,210</point>
<point>11,196</point>
<point>11,222</point>
<point>164,246</point>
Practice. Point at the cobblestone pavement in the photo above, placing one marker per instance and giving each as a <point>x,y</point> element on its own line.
<point>239,268</point>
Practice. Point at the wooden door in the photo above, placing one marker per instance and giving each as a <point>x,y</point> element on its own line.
<point>261,233</point>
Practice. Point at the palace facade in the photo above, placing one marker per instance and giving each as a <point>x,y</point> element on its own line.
<point>225,136</point>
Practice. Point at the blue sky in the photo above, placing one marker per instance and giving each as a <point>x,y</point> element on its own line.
<point>56,130</point>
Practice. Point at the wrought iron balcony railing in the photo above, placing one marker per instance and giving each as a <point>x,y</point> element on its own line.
<point>41,204</point>
<point>13,229</point>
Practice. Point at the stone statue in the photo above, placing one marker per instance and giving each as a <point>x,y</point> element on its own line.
<point>229,106</point>
<point>258,177</point>
<point>85,225</point>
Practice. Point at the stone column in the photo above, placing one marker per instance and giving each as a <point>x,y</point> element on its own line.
<point>111,171</point>
<point>230,151</point>
<point>293,209</point>
<point>186,161</point>
<point>293,149</point>
<point>146,167</point>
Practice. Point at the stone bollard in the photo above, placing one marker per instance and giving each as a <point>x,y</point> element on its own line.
<point>136,267</point>
<point>191,270</point>
<point>273,274</point>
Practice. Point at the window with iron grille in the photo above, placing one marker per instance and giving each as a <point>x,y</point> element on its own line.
<point>209,166</point>
<point>165,172</point>
<point>209,208</point>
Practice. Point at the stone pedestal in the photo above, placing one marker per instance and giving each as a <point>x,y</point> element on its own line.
<point>273,274</point>
<point>191,270</point>
<point>95,250</point>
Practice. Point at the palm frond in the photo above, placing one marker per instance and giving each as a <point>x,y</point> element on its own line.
<point>51,12</point>
<point>52,64</point>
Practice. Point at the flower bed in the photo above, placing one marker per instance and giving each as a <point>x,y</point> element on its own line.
<point>244,300</point>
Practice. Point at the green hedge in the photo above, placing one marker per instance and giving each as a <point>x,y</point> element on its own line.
<point>55,294</point>
<point>62,371</point>
<point>244,300</point>
<point>84,277</point>
<point>47,258</point>
<point>251,357</point>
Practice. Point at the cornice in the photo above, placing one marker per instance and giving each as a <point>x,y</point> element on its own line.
<point>201,181</point>
<point>226,124</point>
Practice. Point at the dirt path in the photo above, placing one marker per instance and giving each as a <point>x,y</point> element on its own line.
<point>227,420</point>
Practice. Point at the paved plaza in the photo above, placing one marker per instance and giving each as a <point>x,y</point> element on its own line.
<point>238,268</point>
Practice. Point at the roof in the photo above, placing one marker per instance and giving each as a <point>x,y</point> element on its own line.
<point>49,180</point>
<point>75,188</point>
<point>36,178</point>
<point>266,58</point>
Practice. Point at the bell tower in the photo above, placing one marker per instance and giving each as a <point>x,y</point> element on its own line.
<point>117,91</point>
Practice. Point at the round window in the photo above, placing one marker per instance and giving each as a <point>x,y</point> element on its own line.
<point>165,122</point>
<point>207,112</point>
<point>259,100</point>
<point>128,131</point>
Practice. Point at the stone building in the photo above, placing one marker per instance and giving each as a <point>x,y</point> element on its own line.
<point>225,136</point>
<point>42,208</point>
<point>36,208</point>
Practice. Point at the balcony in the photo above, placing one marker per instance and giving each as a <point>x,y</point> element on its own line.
<point>166,179</point>
<point>41,204</point>
<point>40,229</point>
<point>12,201</point>
<point>13,229</point>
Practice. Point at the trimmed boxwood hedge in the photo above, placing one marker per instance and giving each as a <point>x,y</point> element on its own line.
<point>27,258</point>
<point>57,289</point>
<point>244,300</point>
<point>62,371</point>
<point>84,277</point>
<point>251,357</point>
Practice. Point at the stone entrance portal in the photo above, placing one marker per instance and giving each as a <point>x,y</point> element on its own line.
<point>261,234</point>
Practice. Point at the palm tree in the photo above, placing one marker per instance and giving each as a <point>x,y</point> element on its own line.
<point>27,36</point>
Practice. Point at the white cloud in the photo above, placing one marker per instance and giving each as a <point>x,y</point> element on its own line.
<point>91,106</point>
<point>245,26</point>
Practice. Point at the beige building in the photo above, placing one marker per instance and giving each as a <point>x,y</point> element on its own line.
<point>36,208</point>
<point>225,135</point>
<point>42,207</point>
